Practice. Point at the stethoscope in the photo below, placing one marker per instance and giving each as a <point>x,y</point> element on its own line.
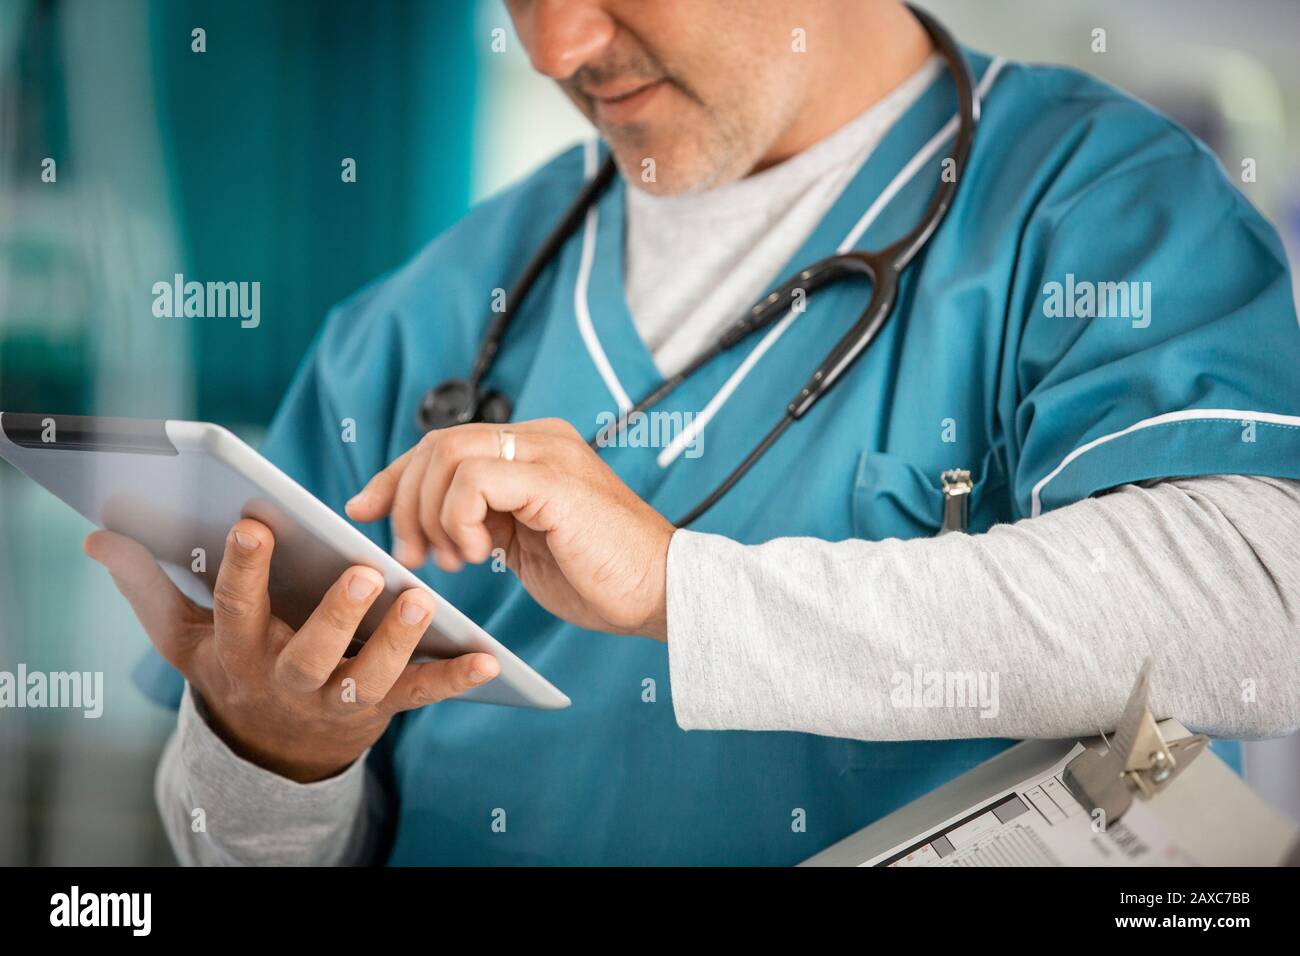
<point>461,401</point>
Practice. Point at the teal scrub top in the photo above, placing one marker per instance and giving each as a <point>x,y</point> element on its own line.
<point>986,364</point>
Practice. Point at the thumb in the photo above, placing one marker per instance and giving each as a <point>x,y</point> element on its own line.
<point>169,618</point>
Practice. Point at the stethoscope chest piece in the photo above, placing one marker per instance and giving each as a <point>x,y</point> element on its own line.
<point>459,402</point>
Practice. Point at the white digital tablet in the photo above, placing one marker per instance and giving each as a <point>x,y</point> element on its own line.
<point>178,487</point>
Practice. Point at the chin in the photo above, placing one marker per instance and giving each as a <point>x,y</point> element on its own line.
<point>675,171</point>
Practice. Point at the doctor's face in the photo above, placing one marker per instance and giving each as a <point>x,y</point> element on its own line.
<point>689,94</point>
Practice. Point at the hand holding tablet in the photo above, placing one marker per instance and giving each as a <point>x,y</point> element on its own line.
<point>292,588</point>
<point>288,700</point>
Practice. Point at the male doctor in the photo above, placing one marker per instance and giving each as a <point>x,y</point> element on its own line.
<point>1132,490</point>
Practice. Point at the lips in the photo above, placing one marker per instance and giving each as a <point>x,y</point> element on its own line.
<point>614,105</point>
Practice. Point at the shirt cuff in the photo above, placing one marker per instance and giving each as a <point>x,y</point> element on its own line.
<point>248,810</point>
<point>702,655</point>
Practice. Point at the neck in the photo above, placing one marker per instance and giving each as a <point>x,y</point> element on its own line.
<point>842,82</point>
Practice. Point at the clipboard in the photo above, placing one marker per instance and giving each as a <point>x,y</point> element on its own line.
<point>1137,763</point>
<point>1151,794</point>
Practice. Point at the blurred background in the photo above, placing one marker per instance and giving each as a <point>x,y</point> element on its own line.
<point>225,165</point>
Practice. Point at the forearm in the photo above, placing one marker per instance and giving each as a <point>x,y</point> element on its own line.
<point>220,810</point>
<point>1048,619</point>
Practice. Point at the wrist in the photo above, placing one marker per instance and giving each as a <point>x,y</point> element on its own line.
<point>656,622</point>
<point>245,746</point>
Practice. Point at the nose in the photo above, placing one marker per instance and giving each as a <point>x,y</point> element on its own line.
<point>563,35</point>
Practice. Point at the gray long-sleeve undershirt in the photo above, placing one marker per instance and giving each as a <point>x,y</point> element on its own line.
<point>220,810</point>
<point>1203,574</point>
<point>1050,618</point>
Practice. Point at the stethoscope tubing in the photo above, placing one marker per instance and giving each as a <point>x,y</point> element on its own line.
<point>883,268</point>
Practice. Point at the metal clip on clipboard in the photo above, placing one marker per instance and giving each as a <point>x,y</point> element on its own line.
<point>1138,762</point>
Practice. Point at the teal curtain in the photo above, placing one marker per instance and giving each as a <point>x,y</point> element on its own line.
<point>223,166</point>
<point>231,159</point>
<point>256,130</point>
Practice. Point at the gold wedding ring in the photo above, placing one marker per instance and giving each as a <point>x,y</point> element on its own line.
<point>506,441</point>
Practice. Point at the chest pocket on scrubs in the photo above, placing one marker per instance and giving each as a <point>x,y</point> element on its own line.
<point>893,498</point>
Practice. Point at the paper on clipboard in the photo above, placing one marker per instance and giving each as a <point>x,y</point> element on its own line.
<point>1039,823</point>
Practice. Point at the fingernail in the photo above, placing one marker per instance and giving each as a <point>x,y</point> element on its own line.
<point>247,541</point>
<point>355,499</point>
<point>413,613</point>
<point>361,587</point>
<point>477,676</point>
